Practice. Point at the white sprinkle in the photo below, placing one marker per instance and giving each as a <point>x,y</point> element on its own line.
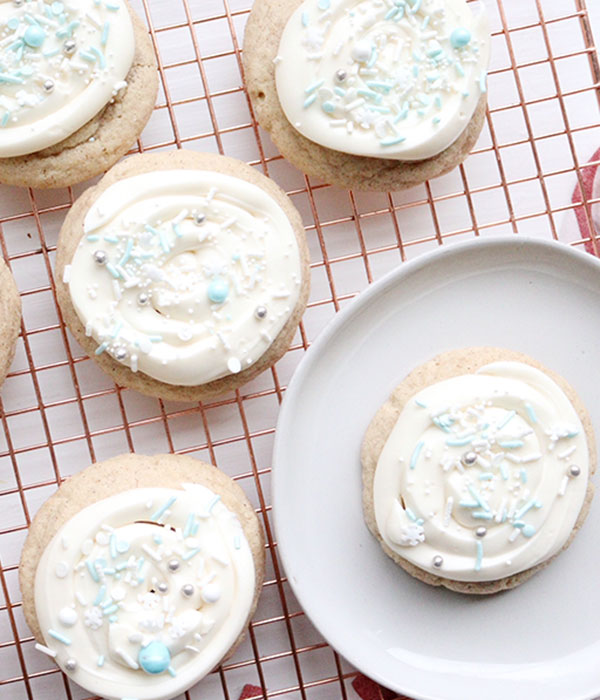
<point>82,601</point>
<point>234,365</point>
<point>501,510</point>
<point>117,289</point>
<point>211,193</point>
<point>181,216</point>
<point>513,535</point>
<point>531,458</point>
<point>513,458</point>
<point>127,659</point>
<point>228,222</point>
<point>134,363</point>
<point>67,274</point>
<point>563,486</point>
<point>151,552</point>
<point>191,648</point>
<point>567,453</point>
<point>46,650</point>
<point>62,569</point>
<point>448,511</point>
<point>483,462</point>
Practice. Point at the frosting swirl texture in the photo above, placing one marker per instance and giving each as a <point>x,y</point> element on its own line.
<point>142,594</point>
<point>395,79</point>
<point>483,475</point>
<point>61,62</point>
<point>185,275</point>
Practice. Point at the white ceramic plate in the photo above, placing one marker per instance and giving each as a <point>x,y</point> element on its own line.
<point>540,641</point>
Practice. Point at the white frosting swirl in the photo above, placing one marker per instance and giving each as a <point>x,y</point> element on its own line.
<point>483,475</point>
<point>141,594</point>
<point>396,79</point>
<point>200,272</point>
<point>61,62</point>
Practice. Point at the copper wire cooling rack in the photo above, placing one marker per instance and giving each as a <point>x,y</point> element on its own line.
<point>59,412</point>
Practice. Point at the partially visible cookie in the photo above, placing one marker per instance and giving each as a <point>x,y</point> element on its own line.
<point>84,87</point>
<point>183,274</point>
<point>368,95</point>
<point>142,573</point>
<point>476,470</point>
<point>10,318</point>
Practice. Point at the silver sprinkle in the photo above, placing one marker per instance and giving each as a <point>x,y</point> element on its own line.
<point>469,458</point>
<point>120,354</point>
<point>260,312</point>
<point>438,561</point>
<point>100,257</point>
<point>18,3</point>
<point>69,46</point>
<point>143,298</point>
<point>162,588</point>
<point>48,85</point>
<point>187,590</point>
<point>173,564</point>
<point>341,75</point>
<point>70,664</point>
<point>481,531</point>
<point>199,218</point>
<point>574,470</point>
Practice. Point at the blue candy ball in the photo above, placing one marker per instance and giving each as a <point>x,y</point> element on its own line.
<point>34,36</point>
<point>154,658</point>
<point>460,37</point>
<point>218,290</point>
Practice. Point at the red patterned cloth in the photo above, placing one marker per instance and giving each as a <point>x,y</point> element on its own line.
<point>367,689</point>
<point>587,179</point>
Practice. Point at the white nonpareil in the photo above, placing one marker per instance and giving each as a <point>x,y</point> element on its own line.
<point>396,79</point>
<point>159,586</point>
<point>62,61</point>
<point>185,275</point>
<point>492,466</point>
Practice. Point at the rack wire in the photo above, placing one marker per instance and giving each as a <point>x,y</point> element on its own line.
<point>59,412</point>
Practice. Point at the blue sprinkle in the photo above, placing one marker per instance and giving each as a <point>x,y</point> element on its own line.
<point>59,637</point>
<point>57,8</point>
<point>13,23</point>
<point>511,444</point>
<point>309,100</point>
<point>87,56</point>
<point>101,593</point>
<point>485,476</point>
<point>214,502</point>
<point>104,37</point>
<point>420,404</point>
<point>6,78</point>
<point>410,514</point>
<point>328,107</point>
<point>116,330</point>
<point>112,6</point>
<point>504,470</point>
<point>528,530</point>
<point>140,563</point>
<point>478,497</point>
<point>468,504</point>
<point>416,7</point>
<point>51,52</point>
<point>112,544</point>
<point>164,241</point>
<point>189,525</point>
<point>314,86</point>
<point>305,19</point>
<point>392,140</point>
<point>5,118</point>
<point>460,442</point>
<point>177,230</point>
<point>416,71</point>
<point>416,453</point>
<point>157,539</point>
<point>438,101</point>
<point>113,270</point>
<point>127,253</point>
<point>218,290</point>
<point>519,524</point>
<point>459,69</point>
<point>373,59</point>
<point>111,239</point>
<point>112,618</point>
<point>99,55</point>
<point>521,512</point>
<point>339,91</point>
<point>481,515</point>
<point>111,609</point>
<point>171,671</point>
<point>100,349</point>
<point>531,413</point>
<point>100,661</point>
<point>479,556</point>
<point>510,415</point>
<point>380,85</point>
<point>237,542</point>
<point>460,37</point>
<point>190,554</point>
<point>425,22</point>
<point>161,511</point>
<point>436,120</point>
<point>523,474</point>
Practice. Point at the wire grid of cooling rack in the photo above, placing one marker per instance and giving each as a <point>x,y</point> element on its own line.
<point>59,412</point>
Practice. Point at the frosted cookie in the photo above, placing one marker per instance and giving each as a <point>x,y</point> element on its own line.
<point>10,318</point>
<point>140,575</point>
<point>183,274</point>
<point>369,94</point>
<point>78,84</point>
<point>476,470</point>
